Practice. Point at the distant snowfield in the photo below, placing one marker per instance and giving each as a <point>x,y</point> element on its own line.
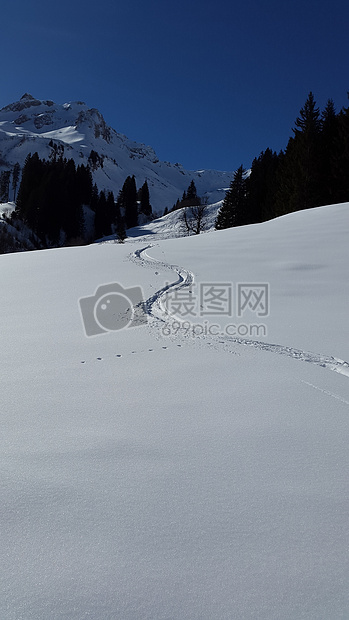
<point>160,472</point>
<point>68,135</point>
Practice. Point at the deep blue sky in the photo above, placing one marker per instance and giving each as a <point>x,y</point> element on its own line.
<point>206,84</point>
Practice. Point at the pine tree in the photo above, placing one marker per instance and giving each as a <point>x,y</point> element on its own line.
<point>5,185</point>
<point>104,214</point>
<point>189,198</point>
<point>144,198</point>
<point>299,174</point>
<point>110,214</point>
<point>84,184</point>
<point>261,187</point>
<point>101,225</point>
<point>340,160</point>
<point>94,198</point>
<point>32,174</point>
<point>327,152</point>
<point>127,201</point>
<point>15,179</point>
<point>192,197</point>
<point>233,209</point>
<point>308,122</point>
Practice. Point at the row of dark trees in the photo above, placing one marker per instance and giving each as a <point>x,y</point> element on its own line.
<point>53,194</point>
<point>50,198</point>
<point>190,198</point>
<point>116,216</point>
<point>312,171</point>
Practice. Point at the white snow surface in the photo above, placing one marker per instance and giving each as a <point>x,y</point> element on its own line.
<point>147,476</point>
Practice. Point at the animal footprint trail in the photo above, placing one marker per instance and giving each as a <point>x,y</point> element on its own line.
<point>123,355</point>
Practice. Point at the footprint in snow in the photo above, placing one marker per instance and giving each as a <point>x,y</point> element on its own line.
<point>100,359</point>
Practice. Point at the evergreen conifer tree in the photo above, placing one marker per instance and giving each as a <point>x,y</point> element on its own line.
<point>127,200</point>
<point>101,224</point>
<point>110,214</point>
<point>5,185</point>
<point>32,175</point>
<point>144,199</point>
<point>341,158</point>
<point>105,211</point>
<point>233,209</point>
<point>299,174</point>
<point>84,184</point>
<point>261,187</point>
<point>15,179</point>
<point>94,198</point>
<point>192,197</point>
<point>327,152</point>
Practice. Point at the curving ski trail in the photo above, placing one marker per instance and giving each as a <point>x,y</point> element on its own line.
<point>154,308</point>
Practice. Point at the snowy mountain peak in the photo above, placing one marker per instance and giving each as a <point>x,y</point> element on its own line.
<point>34,114</point>
<point>26,101</point>
<point>33,125</point>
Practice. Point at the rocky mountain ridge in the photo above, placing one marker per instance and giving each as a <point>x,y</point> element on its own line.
<point>33,125</point>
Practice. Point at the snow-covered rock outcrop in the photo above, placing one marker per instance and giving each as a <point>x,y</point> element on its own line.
<point>31,125</point>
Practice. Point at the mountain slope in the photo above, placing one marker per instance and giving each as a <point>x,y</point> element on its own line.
<point>30,125</point>
<point>157,473</point>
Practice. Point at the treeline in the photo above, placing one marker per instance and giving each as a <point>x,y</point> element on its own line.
<point>59,203</point>
<point>312,171</point>
<point>189,198</point>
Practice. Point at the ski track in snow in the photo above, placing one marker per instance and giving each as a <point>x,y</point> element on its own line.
<point>159,318</point>
<point>327,392</point>
<point>154,306</point>
<point>156,310</point>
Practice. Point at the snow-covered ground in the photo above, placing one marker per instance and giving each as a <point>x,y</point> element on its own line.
<point>162,472</point>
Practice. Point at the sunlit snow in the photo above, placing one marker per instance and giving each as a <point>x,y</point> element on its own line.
<point>159,472</point>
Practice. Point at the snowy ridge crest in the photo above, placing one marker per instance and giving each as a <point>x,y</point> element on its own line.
<point>33,125</point>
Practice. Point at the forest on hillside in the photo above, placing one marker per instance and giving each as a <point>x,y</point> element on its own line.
<point>58,204</point>
<point>312,171</point>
